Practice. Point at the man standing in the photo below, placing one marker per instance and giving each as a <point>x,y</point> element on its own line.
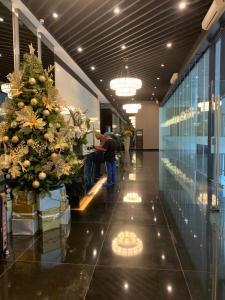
<point>109,149</point>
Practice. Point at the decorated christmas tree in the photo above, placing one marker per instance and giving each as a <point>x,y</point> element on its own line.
<point>37,142</point>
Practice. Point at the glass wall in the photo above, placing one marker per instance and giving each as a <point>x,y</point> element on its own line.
<point>192,170</point>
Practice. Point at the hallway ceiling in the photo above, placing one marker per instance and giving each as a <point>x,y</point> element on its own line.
<point>143,26</point>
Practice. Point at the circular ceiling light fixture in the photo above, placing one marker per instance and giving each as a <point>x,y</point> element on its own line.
<point>123,47</point>
<point>1,19</point>
<point>80,49</point>
<point>169,45</point>
<point>92,68</point>
<point>132,108</point>
<point>125,85</point>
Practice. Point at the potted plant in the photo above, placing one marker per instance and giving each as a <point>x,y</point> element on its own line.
<point>126,134</point>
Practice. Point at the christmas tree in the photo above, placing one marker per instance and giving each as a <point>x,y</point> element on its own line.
<point>37,142</point>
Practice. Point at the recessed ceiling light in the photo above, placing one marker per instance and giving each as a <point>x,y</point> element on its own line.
<point>117,10</point>
<point>126,67</point>
<point>169,288</point>
<point>155,87</point>
<point>101,80</point>
<point>1,19</point>
<point>123,47</point>
<point>55,15</point>
<point>0,55</point>
<point>182,5</point>
<point>79,49</point>
<point>153,94</point>
<point>162,65</point>
<point>158,78</point>
<point>92,68</point>
<point>169,45</point>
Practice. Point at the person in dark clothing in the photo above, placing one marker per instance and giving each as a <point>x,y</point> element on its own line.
<point>99,156</point>
<point>109,149</point>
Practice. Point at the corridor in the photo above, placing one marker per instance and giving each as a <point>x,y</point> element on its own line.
<point>124,246</point>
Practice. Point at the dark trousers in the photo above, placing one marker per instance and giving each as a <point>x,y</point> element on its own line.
<point>111,171</point>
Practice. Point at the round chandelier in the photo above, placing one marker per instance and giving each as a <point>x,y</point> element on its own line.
<point>132,108</point>
<point>125,85</point>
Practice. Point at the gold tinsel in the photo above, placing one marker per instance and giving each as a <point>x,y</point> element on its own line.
<point>39,148</point>
<point>29,119</point>
<point>15,79</point>
<point>14,171</point>
<point>4,126</point>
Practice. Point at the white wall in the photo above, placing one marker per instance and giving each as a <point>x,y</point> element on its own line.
<point>74,94</point>
<point>148,119</point>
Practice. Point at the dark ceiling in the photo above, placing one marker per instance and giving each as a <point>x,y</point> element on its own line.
<point>144,26</point>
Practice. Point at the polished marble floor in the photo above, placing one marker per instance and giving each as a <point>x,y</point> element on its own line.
<point>126,245</point>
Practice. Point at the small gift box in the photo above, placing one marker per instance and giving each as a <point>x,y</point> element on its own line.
<point>49,219</point>
<point>65,216</point>
<point>24,208</point>
<point>24,226</point>
<point>49,201</point>
<point>24,197</point>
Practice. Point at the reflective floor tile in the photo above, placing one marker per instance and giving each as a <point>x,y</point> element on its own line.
<point>18,245</point>
<point>81,246</point>
<point>206,286</point>
<point>26,281</point>
<point>133,284</point>
<point>139,246</point>
<point>138,213</point>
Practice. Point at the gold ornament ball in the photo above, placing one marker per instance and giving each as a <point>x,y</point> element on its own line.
<point>15,139</point>
<point>5,138</point>
<point>54,156</point>
<point>26,163</point>
<point>30,142</point>
<point>57,110</point>
<point>32,81</point>
<point>42,78</point>
<point>35,184</point>
<point>50,80</point>
<point>46,112</point>
<point>46,136</point>
<point>42,176</point>
<point>13,124</point>
<point>33,101</point>
<point>58,125</point>
<point>21,104</point>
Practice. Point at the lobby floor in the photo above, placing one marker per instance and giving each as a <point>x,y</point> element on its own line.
<point>124,246</point>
